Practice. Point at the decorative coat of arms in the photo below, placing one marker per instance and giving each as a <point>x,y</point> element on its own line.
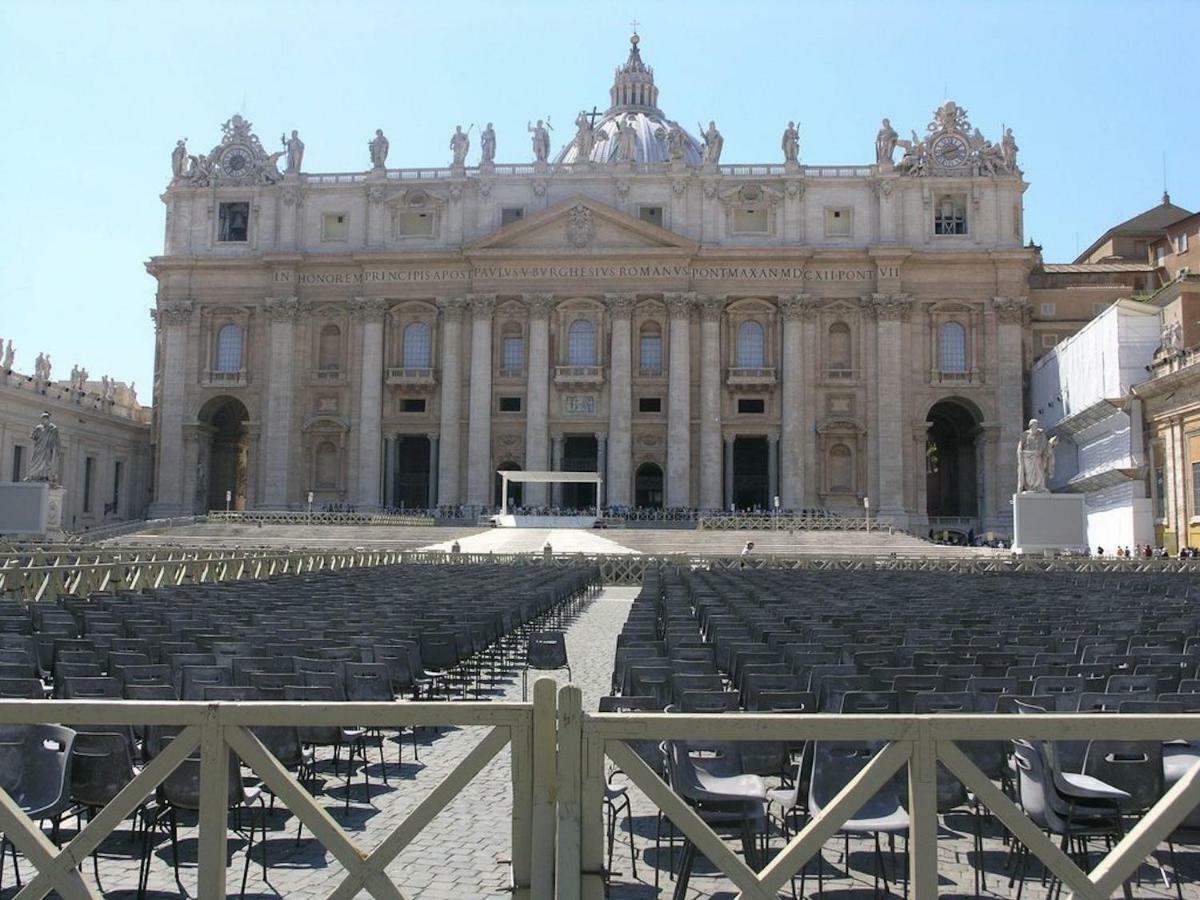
<point>580,227</point>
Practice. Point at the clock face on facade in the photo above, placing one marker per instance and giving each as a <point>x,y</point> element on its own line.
<point>950,151</point>
<point>236,162</point>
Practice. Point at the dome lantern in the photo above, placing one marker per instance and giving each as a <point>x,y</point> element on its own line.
<point>633,87</point>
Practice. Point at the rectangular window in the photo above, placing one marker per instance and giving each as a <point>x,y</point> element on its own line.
<point>1160,253</point>
<point>751,220</point>
<point>18,466</point>
<point>510,214</point>
<point>651,354</point>
<point>1140,249</point>
<point>413,224</point>
<point>335,227</point>
<point>1181,242</point>
<point>116,497</point>
<point>513,351</point>
<point>839,221</point>
<point>1048,310</point>
<point>89,471</point>
<point>510,404</point>
<point>1160,483</point>
<point>412,405</point>
<point>233,222</point>
<point>1049,340</point>
<point>950,214</point>
<point>751,405</point>
<point>651,214</point>
<point>1195,488</point>
<point>649,404</point>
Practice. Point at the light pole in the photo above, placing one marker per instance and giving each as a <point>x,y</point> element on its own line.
<point>228,499</point>
<point>310,498</point>
<point>867,510</point>
<point>776,512</point>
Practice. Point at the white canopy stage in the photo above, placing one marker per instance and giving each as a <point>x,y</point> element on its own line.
<point>510,521</point>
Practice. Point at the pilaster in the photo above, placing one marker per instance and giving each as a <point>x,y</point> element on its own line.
<point>711,310</point>
<point>619,483</point>
<point>173,318</point>
<point>537,394</point>
<point>370,312</point>
<point>281,315</point>
<point>679,415</point>
<point>479,412</point>
<point>890,311</point>
<point>450,450</point>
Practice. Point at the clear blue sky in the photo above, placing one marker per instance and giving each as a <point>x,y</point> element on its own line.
<point>95,95</point>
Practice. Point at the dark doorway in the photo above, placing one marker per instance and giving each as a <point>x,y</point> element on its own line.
<point>579,455</point>
<point>516,489</point>
<point>950,479</point>
<point>751,484</point>
<point>648,486</point>
<point>228,454</point>
<point>410,482</point>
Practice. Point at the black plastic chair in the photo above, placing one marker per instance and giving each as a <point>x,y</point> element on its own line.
<point>35,770</point>
<point>547,652</point>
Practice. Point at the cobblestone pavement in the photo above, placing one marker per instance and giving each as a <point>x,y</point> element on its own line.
<point>464,852</point>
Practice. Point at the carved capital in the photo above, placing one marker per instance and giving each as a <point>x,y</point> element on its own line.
<point>601,436</point>
<point>620,306</point>
<point>795,307</point>
<point>710,307</point>
<point>680,304</point>
<point>889,307</point>
<point>794,188</point>
<point>623,186</point>
<point>433,435</point>
<point>284,309</point>
<point>540,305</point>
<point>172,312</point>
<point>369,309</point>
<point>1011,310</point>
<point>482,305</point>
<point>452,307</point>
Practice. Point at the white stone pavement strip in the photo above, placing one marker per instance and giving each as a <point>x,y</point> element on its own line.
<point>532,540</point>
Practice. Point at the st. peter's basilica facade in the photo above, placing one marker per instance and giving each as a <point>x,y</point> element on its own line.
<point>701,334</point>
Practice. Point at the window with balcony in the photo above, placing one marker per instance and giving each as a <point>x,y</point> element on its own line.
<point>233,222</point>
<point>952,349</point>
<point>950,214</point>
<point>750,346</point>
<point>838,347</point>
<point>229,349</point>
<point>329,351</point>
<point>650,359</point>
<point>417,346</point>
<point>581,343</point>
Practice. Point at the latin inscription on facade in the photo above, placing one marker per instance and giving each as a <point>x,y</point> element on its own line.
<point>524,273</point>
<point>579,404</point>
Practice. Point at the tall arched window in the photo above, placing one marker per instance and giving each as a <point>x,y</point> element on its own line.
<point>417,346</point>
<point>841,469</point>
<point>512,349</point>
<point>581,343</point>
<point>329,350</point>
<point>750,346</point>
<point>839,348</point>
<point>326,475</point>
<point>229,348</point>
<point>952,348</point>
<point>651,358</point>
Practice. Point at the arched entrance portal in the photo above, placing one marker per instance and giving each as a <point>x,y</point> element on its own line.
<point>648,486</point>
<point>228,467</point>
<point>952,486</point>
<point>516,489</point>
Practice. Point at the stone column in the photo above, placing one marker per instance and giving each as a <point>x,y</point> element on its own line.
<point>619,484</point>
<point>450,449</point>
<point>537,394</point>
<point>729,439</point>
<point>795,388</point>
<point>556,466</point>
<point>679,413</point>
<point>171,318</point>
<point>479,410</point>
<point>602,468</point>
<point>710,400</point>
<point>773,469</point>
<point>891,311</point>
<point>433,470</point>
<point>1012,313</point>
<point>281,315</point>
<point>370,311</point>
<point>390,446</point>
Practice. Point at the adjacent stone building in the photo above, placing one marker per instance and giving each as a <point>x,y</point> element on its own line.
<point>702,334</point>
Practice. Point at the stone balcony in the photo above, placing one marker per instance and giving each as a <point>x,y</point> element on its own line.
<point>225,379</point>
<point>579,376</point>
<point>751,379</point>
<point>972,376</point>
<point>421,379</point>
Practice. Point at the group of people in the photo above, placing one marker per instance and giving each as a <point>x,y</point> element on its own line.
<point>1147,551</point>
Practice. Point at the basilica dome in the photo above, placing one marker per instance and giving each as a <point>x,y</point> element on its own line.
<point>634,105</point>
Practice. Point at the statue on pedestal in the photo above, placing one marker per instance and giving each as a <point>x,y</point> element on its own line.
<point>295,152</point>
<point>541,140</point>
<point>487,145</point>
<point>378,146</point>
<point>675,142</point>
<point>459,145</point>
<point>179,157</point>
<point>791,143</point>
<point>9,353</point>
<point>885,143</point>
<point>714,143</point>
<point>585,138</point>
<point>43,463</point>
<point>1035,460</point>
<point>626,140</point>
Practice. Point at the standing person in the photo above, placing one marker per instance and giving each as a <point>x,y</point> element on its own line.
<point>746,551</point>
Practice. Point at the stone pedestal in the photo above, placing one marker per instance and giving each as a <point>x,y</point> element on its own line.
<point>1054,522</point>
<point>31,509</point>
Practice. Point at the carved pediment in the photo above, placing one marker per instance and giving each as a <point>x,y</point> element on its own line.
<point>581,225</point>
<point>840,426</point>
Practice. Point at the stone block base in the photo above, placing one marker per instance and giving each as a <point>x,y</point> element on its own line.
<point>31,509</point>
<point>1049,522</point>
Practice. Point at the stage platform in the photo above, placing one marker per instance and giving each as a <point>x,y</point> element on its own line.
<point>509,521</point>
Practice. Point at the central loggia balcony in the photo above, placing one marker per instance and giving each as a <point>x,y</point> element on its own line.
<point>415,379</point>
<point>751,379</point>
<point>579,376</point>
<point>225,378</point>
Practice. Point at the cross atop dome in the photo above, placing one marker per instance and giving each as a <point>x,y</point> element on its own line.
<point>633,87</point>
